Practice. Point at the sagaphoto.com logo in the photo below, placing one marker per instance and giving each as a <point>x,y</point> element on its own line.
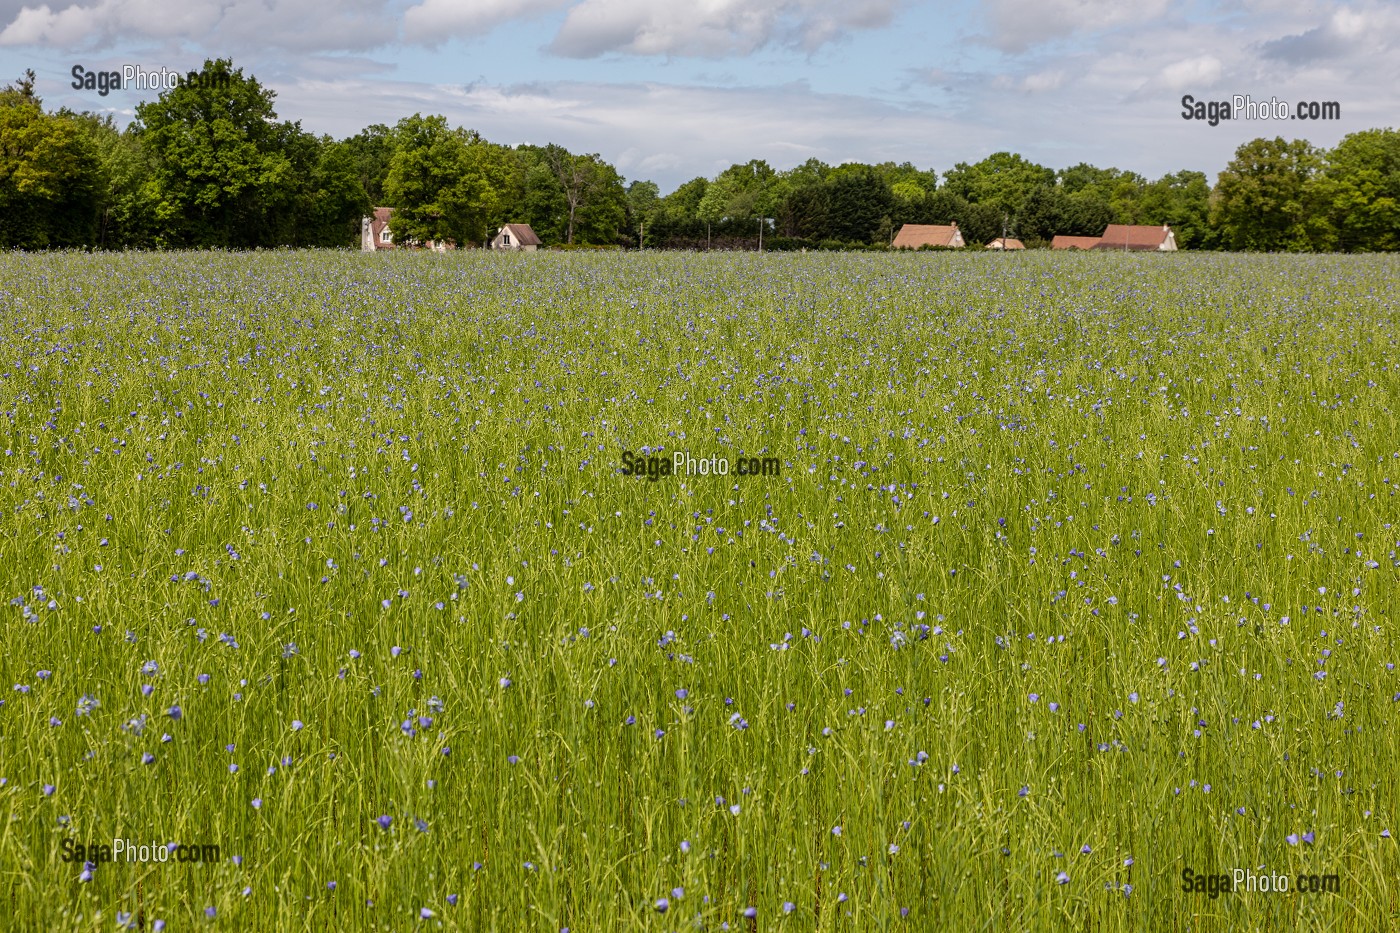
<point>142,79</point>
<point>654,464</point>
<point>1246,881</point>
<point>1245,107</point>
<point>93,854</point>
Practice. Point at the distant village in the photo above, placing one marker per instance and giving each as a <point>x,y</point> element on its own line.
<point>376,235</point>
<point>166,181</point>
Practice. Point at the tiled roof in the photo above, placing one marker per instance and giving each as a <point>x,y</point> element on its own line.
<point>1132,236</point>
<point>522,234</point>
<point>912,236</point>
<point>1074,242</point>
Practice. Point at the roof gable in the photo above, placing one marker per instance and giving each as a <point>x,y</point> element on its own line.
<point>521,234</point>
<point>1133,236</point>
<point>912,236</point>
<point>1061,241</point>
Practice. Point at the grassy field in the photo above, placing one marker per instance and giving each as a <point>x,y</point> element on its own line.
<point>1080,572</point>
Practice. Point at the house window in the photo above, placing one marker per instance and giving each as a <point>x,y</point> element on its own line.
<point>384,237</point>
<point>505,239</point>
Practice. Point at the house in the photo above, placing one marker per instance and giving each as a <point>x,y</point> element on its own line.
<point>1006,243</point>
<point>516,237</point>
<point>1074,242</point>
<point>913,236</point>
<point>374,231</point>
<point>1142,237</point>
<point>375,234</point>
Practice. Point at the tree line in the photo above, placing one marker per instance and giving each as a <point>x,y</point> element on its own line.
<point>208,164</point>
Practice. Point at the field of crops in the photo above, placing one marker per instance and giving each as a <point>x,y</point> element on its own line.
<point>1078,575</point>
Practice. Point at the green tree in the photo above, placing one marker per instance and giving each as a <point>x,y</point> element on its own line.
<point>129,199</point>
<point>436,183</point>
<point>1042,215</point>
<point>859,205</point>
<point>714,206</point>
<point>372,150</point>
<point>1120,191</point>
<point>643,205</point>
<point>905,175</point>
<point>543,204</point>
<point>51,182</point>
<point>1357,193</point>
<point>502,174</point>
<point>1002,181</point>
<point>1259,199</point>
<point>684,202</point>
<point>1085,213</point>
<point>593,195</point>
<point>221,171</point>
<point>805,211</point>
<point>337,198</point>
<point>1181,199</point>
<point>678,215</point>
<point>602,219</point>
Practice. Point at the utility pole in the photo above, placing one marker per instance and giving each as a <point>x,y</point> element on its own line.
<point>760,224</point>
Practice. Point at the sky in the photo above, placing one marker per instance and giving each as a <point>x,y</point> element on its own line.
<point>670,90</point>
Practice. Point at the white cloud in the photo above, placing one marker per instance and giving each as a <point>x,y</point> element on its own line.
<point>240,24</point>
<point>433,21</point>
<point>712,28</point>
<point>1017,25</point>
<point>1043,81</point>
<point>1203,71</point>
<point>1346,33</point>
<point>665,132</point>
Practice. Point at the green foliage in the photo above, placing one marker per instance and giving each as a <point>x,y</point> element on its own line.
<point>222,174</point>
<point>859,205</point>
<point>337,198</point>
<point>643,206</point>
<point>437,183</point>
<point>1100,188</point>
<point>372,150</point>
<point>51,184</point>
<point>1260,199</point>
<point>1042,215</point>
<point>208,164</point>
<point>543,204</point>
<point>131,199</point>
<point>1181,199</point>
<point>1003,180</point>
<point>594,201</point>
<point>1357,193</point>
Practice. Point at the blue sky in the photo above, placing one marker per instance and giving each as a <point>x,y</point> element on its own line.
<point>671,90</point>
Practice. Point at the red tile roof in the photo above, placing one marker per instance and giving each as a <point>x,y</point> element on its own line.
<point>1133,236</point>
<point>378,224</point>
<point>1008,243</point>
<point>912,236</point>
<point>1074,242</point>
<point>522,233</point>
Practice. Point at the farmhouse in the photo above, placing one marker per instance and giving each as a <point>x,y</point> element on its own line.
<point>1006,243</point>
<point>375,234</point>
<point>1074,242</point>
<point>913,236</point>
<point>374,231</point>
<point>516,237</point>
<point>1142,237</point>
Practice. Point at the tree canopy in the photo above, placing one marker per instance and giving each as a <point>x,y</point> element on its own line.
<point>209,164</point>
